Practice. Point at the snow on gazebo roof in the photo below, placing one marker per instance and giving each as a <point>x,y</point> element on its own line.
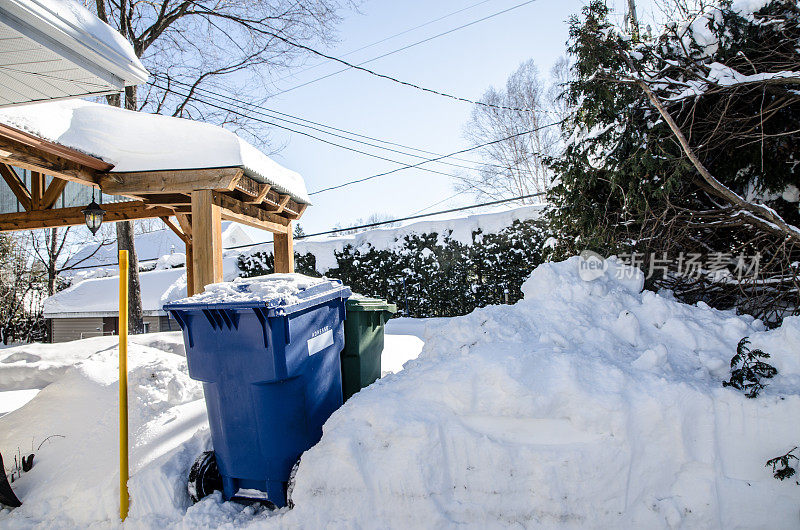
<point>138,141</point>
<point>53,49</point>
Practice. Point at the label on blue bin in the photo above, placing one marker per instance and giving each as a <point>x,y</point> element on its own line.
<point>320,339</point>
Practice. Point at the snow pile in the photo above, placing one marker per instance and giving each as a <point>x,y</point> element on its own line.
<point>586,404</point>
<point>34,366</point>
<point>138,141</point>
<point>71,426</point>
<point>281,289</point>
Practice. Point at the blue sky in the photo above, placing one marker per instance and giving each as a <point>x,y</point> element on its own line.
<point>464,63</point>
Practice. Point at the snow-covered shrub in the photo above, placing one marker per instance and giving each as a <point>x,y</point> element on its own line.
<point>431,274</point>
<point>261,263</point>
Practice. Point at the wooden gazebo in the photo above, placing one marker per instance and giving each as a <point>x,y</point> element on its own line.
<point>198,198</point>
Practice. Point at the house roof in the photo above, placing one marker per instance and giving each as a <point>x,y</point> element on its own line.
<point>141,142</point>
<point>55,49</point>
<point>99,296</point>
<point>150,246</point>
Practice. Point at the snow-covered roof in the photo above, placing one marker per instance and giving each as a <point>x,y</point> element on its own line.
<point>150,246</point>
<point>54,49</point>
<point>99,296</point>
<point>138,141</point>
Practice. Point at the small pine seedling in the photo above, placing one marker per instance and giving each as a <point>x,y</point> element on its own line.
<point>785,470</point>
<point>747,370</point>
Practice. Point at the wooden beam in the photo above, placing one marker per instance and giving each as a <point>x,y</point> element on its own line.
<point>118,211</point>
<point>47,159</point>
<point>261,195</point>
<point>174,228</point>
<point>206,239</point>
<point>250,215</point>
<point>185,221</point>
<point>10,134</point>
<point>53,192</point>
<point>17,186</point>
<point>37,190</point>
<point>299,213</point>
<point>284,200</point>
<point>178,181</point>
<point>166,199</point>
<point>283,251</point>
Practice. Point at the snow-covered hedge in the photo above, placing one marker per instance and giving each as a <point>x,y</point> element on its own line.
<point>431,274</point>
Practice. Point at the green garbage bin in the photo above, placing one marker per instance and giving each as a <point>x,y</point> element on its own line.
<point>363,342</point>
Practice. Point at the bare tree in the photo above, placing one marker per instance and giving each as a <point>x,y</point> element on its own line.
<point>223,45</point>
<point>517,165</point>
<point>53,247</point>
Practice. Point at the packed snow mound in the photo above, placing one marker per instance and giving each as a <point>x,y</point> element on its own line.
<point>37,365</point>
<point>71,426</point>
<point>589,403</point>
<point>586,404</point>
<point>280,288</point>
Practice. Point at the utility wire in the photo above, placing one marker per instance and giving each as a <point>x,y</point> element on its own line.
<point>390,37</point>
<point>273,124</point>
<point>266,111</point>
<point>418,164</point>
<point>359,227</point>
<point>372,72</point>
<point>428,39</point>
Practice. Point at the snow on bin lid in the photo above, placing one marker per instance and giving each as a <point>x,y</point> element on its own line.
<point>273,290</point>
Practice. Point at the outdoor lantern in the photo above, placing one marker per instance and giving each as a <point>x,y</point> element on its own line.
<point>94,215</point>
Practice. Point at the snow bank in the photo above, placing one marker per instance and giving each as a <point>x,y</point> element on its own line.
<point>138,141</point>
<point>587,404</point>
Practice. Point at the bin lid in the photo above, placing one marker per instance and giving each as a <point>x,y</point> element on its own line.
<point>280,293</point>
<point>359,302</point>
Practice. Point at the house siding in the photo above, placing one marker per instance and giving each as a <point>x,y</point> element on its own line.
<point>66,329</point>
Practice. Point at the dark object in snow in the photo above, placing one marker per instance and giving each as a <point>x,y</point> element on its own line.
<point>7,496</point>
<point>27,462</point>
<point>290,484</point>
<point>204,477</point>
<point>747,370</point>
<point>785,470</point>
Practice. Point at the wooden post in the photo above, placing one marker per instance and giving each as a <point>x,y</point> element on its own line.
<point>37,189</point>
<point>206,240</point>
<point>283,250</point>
<point>185,222</point>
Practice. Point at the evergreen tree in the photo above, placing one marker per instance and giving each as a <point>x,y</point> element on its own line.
<point>626,184</point>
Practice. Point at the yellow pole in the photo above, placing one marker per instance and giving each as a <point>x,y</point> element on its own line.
<point>123,384</point>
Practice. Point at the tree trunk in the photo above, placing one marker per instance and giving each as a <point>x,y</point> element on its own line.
<point>125,242</point>
<point>51,262</point>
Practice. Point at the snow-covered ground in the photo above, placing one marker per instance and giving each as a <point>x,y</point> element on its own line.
<point>587,404</point>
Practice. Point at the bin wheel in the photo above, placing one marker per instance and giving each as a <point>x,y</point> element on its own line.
<point>204,477</point>
<point>290,484</point>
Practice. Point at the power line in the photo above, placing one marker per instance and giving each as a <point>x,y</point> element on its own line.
<point>403,165</point>
<point>359,227</point>
<point>273,124</point>
<point>408,218</point>
<point>390,37</point>
<point>374,73</point>
<point>266,111</point>
<point>428,39</point>
<point>418,164</point>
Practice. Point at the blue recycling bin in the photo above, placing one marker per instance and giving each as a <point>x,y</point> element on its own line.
<point>271,377</point>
